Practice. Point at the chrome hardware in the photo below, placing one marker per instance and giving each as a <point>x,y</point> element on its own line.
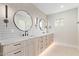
<point>17,44</point>
<point>17,52</point>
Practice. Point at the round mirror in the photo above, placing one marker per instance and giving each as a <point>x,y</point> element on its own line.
<point>22,20</point>
<point>43,24</point>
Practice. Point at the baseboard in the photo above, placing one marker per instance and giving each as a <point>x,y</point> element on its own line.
<point>67,45</point>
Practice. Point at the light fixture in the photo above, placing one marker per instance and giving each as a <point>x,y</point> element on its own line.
<point>61,6</point>
<point>6,15</point>
<point>36,22</point>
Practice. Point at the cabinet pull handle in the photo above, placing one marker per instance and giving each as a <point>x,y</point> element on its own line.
<point>17,44</point>
<point>17,52</point>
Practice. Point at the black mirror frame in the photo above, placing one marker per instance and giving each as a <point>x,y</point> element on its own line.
<point>17,26</point>
<point>39,24</point>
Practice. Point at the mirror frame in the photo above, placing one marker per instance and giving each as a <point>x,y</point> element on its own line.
<point>17,26</point>
<point>39,24</point>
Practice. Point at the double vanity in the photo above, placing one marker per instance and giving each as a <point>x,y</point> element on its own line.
<point>26,45</point>
<point>31,46</point>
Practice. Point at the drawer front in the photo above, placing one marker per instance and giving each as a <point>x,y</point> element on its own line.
<point>14,46</point>
<point>19,52</point>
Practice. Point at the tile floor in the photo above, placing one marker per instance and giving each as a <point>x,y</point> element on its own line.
<point>58,50</point>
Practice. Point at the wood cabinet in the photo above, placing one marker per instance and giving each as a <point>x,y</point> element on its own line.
<point>44,42</point>
<point>30,47</point>
<point>13,48</point>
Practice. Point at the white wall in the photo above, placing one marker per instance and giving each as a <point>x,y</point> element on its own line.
<point>12,31</point>
<point>67,33</point>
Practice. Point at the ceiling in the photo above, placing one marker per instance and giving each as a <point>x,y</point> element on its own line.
<point>50,8</point>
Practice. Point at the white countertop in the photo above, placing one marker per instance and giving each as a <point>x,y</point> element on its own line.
<point>13,40</point>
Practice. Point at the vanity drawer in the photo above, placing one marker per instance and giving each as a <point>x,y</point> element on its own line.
<point>19,52</point>
<point>14,46</point>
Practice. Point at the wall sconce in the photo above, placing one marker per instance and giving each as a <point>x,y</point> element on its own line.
<point>6,15</point>
<point>36,22</point>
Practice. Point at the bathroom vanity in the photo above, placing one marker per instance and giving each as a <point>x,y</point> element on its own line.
<point>23,44</point>
<point>31,46</point>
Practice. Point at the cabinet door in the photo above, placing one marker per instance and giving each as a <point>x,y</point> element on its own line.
<point>31,50</point>
<point>36,44</point>
<point>26,51</point>
<point>26,48</point>
<point>31,47</point>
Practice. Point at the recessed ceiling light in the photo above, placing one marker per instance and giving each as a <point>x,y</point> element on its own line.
<point>61,6</point>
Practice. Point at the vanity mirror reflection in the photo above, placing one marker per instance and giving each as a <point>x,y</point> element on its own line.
<point>23,21</point>
<point>43,25</point>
